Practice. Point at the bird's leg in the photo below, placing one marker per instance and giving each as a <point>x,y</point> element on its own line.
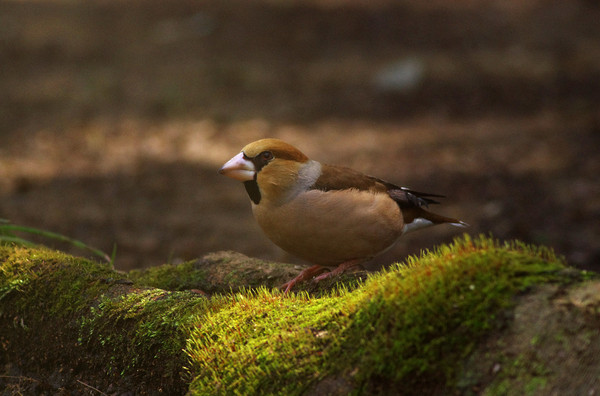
<point>345,266</point>
<point>304,275</point>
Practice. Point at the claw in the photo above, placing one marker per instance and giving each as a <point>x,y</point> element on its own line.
<point>315,270</point>
<point>340,269</point>
<point>304,275</point>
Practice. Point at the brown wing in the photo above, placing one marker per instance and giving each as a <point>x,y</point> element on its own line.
<point>342,178</point>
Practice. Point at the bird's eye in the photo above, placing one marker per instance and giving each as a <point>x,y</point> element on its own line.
<point>266,155</point>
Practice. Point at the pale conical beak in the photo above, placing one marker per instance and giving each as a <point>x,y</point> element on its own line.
<point>239,168</point>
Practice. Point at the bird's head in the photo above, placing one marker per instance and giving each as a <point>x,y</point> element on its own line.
<point>268,167</point>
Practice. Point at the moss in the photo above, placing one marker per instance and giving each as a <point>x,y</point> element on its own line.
<point>170,276</point>
<point>67,282</point>
<point>88,316</point>
<point>402,329</point>
<point>220,272</point>
<point>526,371</point>
<point>549,346</point>
<point>268,337</point>
<point>152,327</point>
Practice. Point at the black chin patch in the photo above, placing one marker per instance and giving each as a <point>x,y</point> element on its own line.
<point>252,190</point>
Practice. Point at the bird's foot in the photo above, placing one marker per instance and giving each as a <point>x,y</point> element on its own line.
<point>304,275</point>
<point>340,269</point>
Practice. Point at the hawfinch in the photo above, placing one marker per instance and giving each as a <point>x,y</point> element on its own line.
<point>331,216</point>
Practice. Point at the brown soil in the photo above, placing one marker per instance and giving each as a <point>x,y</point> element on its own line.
<point>115,115</point>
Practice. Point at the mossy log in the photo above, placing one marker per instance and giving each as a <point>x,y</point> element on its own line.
<point>475,316</point>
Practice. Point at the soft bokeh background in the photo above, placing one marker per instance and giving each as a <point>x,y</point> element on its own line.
<point>115,115</point>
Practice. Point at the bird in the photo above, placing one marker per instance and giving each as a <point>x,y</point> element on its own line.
<point>332,216</point>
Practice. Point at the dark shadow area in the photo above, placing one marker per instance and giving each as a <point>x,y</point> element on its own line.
<point>162,213</point>
<point>169,212</point>
<point>295,61</point>
<point>494,104</point>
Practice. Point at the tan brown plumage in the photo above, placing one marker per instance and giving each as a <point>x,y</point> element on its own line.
<point>329,215</point>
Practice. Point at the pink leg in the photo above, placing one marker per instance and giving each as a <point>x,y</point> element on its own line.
<point>340,269</point>
<point>304,275</point>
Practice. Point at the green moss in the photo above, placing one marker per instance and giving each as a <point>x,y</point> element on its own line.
<point>220,272</point>
<point>550,345</point>
<point>152,327</point>
<point>88,316</point>
<point>524,375</point>
<point>267,336</point>
<point>41,274</point>
<point>182,276</point>
<point>403,328</point>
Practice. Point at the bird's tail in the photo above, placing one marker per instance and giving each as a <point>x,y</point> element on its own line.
<point>427,219</point>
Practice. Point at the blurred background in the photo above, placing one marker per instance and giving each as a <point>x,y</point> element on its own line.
<point>115,115</point>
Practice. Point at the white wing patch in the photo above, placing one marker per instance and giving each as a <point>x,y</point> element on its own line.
<point>416,224</point>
